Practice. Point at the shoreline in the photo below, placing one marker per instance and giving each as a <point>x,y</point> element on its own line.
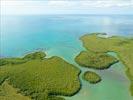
<point>127,72</point>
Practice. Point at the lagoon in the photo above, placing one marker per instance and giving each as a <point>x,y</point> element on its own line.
<point>59,35</point>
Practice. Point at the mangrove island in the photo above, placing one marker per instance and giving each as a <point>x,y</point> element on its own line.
<point>40,78</point>
<point>123,46</point>
<point>91,77</point>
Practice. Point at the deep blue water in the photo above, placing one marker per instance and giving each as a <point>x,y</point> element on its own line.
<point>22,34</point>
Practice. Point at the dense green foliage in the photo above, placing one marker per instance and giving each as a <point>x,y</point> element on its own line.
<point>35,55</point>
<point>31,56</point>
<point>5,61</point>
<point>95,60</point>
<point>7,92</point>
<point>91,77</point>
<point>123,46</point>
<point>42,79</point>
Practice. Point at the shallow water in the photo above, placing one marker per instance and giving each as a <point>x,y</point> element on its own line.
<point>59,35</point>
<point>114,85</point>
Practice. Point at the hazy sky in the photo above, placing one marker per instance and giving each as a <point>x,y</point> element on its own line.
<point>13,7</point>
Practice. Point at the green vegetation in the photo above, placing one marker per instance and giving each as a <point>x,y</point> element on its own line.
<point>35,55</point>
<point>5,61</point>
<point>42,78</point>
<point>31,56</point>
<point>7,92</point>
<point>123,46</point>
<point>91,77</point>
<point>95,60</point>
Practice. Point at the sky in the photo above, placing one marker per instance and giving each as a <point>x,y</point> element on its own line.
<point>27,7</point>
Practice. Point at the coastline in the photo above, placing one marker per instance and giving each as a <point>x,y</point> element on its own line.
<point>37,59</point>
<point>127,72</point>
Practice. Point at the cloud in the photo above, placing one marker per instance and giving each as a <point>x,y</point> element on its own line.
<point>61,6</point>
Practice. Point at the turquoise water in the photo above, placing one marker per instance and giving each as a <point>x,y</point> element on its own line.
<point>21,34</point>
<point>59,35</point>
<point>114,85</point>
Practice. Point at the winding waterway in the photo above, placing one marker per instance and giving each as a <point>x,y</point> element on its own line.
<point>114,85</point>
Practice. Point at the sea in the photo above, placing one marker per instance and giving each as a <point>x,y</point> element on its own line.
<point>58,35</point>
